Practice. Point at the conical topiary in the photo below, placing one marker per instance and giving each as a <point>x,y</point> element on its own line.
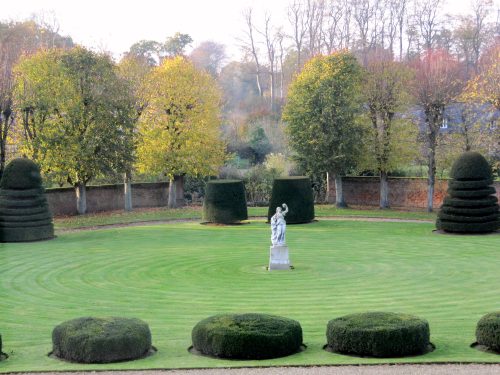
<point>24,212</point>
<point>225,202</point>
<point>471,206</point>
<point>297,193</point>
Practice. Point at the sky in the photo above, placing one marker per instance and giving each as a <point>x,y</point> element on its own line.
<point>114,25</point>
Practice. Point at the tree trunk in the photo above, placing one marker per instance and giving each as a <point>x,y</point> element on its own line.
<point>327,192</point>
<point>172,194</point>
<point>431,178</point>
<point>127,191</point>
<point>384,190</point>
<point>179,191</point>
<point>81,198</point>
<point>339,194</point>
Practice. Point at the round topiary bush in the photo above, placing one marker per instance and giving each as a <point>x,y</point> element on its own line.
<point>24,211</point>
<point>297,193</point>
<point>225,202</point>
<point>471,205</point>
<point>101,340</point>
<point>247,336</point>
<point>378,334</point>
<point>488,331</point>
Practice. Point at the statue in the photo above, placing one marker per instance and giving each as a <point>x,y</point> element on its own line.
<point>278,226</point>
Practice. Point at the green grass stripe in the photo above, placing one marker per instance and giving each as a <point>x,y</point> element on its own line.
<point>174,275</point>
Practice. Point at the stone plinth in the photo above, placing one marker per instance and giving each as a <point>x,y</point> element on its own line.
<point>278,258</point>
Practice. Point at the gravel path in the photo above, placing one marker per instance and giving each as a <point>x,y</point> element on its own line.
<point>444,369</point>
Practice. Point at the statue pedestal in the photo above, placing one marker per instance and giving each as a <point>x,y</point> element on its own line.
<point>278,258</point>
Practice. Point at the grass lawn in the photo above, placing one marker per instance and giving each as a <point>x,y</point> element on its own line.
<point>159,214</point>
<point>174,275</point>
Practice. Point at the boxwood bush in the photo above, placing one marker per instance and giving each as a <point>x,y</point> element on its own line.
<point>378,334</point>
<point>488,331</point>
<point>297,193</point>
<point>471,206</point>
<point>24,211</point>
<point>225,202</point>
<point>247,336</point>
<point>101,340</point>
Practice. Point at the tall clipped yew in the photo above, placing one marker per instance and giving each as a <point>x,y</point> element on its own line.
<point>24,211</point>
<point>297,193</point>
<point>471,206</point>
<point>320,114</point>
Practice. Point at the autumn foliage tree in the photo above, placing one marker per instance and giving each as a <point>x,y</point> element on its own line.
<point>76,116</point>
<point>436,84</point>
<point>321,116</point>
<point>179,127</point>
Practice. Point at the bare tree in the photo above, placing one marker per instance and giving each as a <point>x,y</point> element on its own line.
<point>332,30</point>
<point>426,15</point>
<point>252,48</point>
<point>399,7</point>
<point>270,42</point>
<point>297,17</point>
<point>315,13</point>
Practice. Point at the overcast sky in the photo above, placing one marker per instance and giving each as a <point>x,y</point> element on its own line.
<point>114,25</point>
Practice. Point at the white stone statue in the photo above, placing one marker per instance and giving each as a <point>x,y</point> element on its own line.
<point>278,226</point>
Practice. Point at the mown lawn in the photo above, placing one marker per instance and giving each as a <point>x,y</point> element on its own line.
<point>173,275</point>
<point>194,212</point>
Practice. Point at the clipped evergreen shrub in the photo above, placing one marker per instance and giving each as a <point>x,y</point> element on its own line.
<point>471,205</point>
<point>378,334</point>
<point>297,193</point>
<point>247,336</point>
<point>488,331</point>
<point>24,211</point>
<point>101,340</point>
<point>225,202</point>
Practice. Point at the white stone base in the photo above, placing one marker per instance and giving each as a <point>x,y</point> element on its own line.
<point>278,258</point>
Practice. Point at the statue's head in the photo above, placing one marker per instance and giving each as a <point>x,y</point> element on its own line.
<point>278,210</point>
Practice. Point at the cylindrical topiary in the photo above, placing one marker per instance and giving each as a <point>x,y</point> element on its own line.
<point>471,206</point>
<point>297,193</point>
<point>247,336</point>
<point>24,211</point>
<point>378,334</point>
<point>488,331</point>
<point>101,340</point>
<point>225,202</point>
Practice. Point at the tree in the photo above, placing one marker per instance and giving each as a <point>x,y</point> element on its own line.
<point>148,50</point>
<point>17,39</point>
<point>320,115</point>
<point>179,128</point>
<point>76,116</point>
<point>390,139</point>
<point>209,56</point>
<point>175,45</point>
<point>436,84</point>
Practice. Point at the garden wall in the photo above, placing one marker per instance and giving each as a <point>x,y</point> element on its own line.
<point>403,192</point>
<point>62,201</point>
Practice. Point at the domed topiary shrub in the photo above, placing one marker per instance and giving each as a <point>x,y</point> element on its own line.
<point>247,336</point>
<point>470,206</point>
<point>24,212</point>
<point>101,340</point>
<point>225,202</point>
<point>297,193</point>
<point>378,334</point>
<point>488,331</point>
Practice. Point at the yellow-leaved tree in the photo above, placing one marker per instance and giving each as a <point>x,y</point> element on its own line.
<point>179,129</point>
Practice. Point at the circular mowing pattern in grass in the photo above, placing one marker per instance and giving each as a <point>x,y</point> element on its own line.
<point>297,193</point>
<point>101,340</point>
<point>488,331</point>
<point>247,336</point>
<point>225,202</point>
<point>378,334</point>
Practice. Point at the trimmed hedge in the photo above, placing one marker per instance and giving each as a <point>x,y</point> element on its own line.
<point>101,340</point>
<point>247,336</point>
<point>297,193</point>
<point>225,202</point>
<point>471,206</point>
<point>378,334</point>
<point>24,212</point>
<point>488,331</point>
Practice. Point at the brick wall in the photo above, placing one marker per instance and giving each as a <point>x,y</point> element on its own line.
<point>62,201</point>
<point>403,192</point>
